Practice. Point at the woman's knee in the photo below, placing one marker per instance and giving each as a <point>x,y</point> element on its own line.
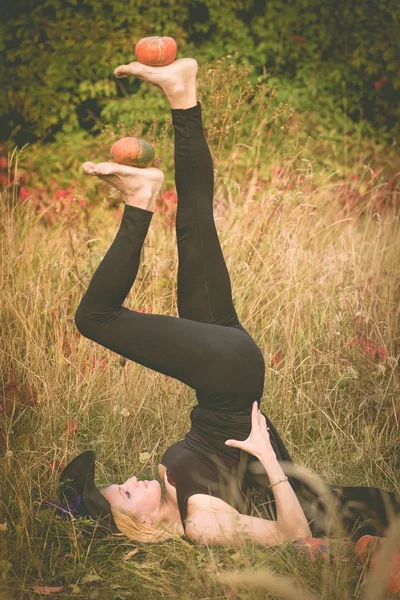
<point>88,323</point>
<point>82,322</point>
<point>96,323</point>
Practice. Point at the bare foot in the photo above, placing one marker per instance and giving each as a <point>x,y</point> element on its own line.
<point>140,187</point>
<point>177,80</point>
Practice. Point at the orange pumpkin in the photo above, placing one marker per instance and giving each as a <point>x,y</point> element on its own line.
<point>367,546</point>
<point>393,578</point>
<point>156,51</point>
<point>368,549</point>
<point>132,152</point>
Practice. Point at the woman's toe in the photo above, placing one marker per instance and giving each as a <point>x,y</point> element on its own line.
<point>122,71</point>
<point>104,168</point>
<point>88,167</point>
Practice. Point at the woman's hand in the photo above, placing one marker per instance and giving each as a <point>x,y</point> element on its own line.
<point>258,443</point>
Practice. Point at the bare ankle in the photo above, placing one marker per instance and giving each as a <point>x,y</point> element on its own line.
<point>143,198</point>
<point>182,100</point>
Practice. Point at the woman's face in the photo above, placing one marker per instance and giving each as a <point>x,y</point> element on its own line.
<point>136,498</point>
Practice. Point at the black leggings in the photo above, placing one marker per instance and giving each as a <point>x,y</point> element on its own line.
<point>206,347</point>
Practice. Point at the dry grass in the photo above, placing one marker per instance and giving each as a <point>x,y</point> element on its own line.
<point>315,282</point>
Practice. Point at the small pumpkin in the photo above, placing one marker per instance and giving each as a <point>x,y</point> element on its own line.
<point>132,152</point>
<point>156,51</point>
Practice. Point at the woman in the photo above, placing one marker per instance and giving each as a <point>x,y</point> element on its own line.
<point>231,450</point>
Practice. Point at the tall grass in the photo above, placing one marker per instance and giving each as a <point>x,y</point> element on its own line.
<point>314,265</point>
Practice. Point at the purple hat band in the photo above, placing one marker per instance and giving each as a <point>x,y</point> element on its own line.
<point>65,510</point>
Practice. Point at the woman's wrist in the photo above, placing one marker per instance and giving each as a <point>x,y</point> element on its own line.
<point>272,466</point>
<point>268,456</point>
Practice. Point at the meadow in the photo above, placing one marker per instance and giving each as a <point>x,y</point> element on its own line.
<point>309,224</point>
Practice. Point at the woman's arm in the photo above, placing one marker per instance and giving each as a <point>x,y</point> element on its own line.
<point>216,522</point>
<point>231,528</point>
<point>223,527</point>
<point>290,516</point>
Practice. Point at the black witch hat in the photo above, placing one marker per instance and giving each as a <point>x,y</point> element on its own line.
<point>79,495</point>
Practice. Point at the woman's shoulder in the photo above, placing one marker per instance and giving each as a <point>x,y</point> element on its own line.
<point>199,505</point>
<point>205,511</point>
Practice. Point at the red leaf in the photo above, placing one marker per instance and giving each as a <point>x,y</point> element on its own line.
<point>3,440</point>
<point>97,363</point>
<point>3,179</point>
<point>24,192</point>
<point>71,427</point>
<point>56,466</point>
<point>11,398</point>
<point>379,83</point>
<point>298,38</point>
<point>381,353</point>
<point>277,170</point>
<point>28,396</point>
<point>11,386</point>
<point>277,358</point>
<point>369,349</point>
<point>170,197</point>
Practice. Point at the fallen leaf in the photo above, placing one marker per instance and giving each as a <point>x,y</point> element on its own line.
<point>47,590</point>
<point>75,589</point>
<point>237,556</point>
<point>90,578</point>
<point>129,554</point>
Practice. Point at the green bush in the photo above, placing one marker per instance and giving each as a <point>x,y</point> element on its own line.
<point>335,60</point>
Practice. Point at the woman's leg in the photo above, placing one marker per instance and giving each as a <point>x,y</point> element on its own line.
<point>116,273</point>
<point>204,289</point>
<point>200,355</point>
<point>204,355</point>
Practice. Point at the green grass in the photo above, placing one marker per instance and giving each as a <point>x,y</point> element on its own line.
<point>314,263</point>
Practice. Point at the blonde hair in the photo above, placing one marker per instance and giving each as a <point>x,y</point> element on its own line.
<point>143,532</point>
